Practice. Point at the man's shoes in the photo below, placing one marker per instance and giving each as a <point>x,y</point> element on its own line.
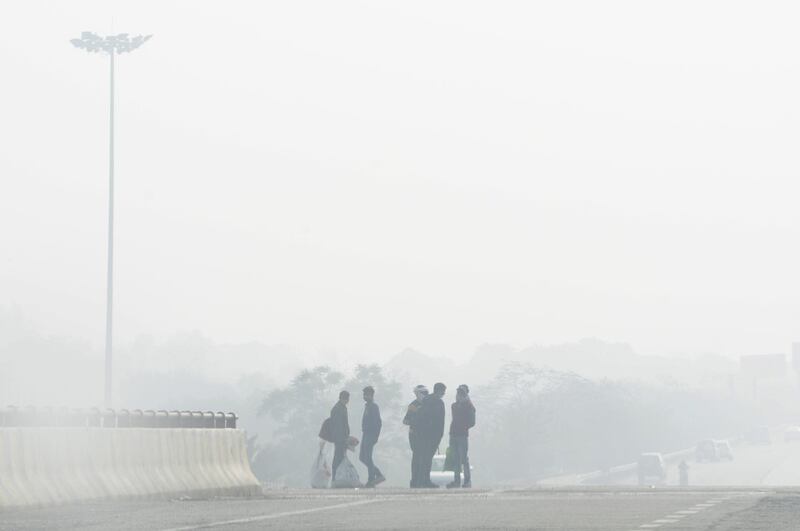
<point>467,485</point>
<point>430,485</point>
<point>379,479</point>
<point>369,484</point>
<point>454,485</point>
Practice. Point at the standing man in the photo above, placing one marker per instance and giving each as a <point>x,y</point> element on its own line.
<point>371,430</point>
<point>432,428</point>
<point>414,439</point>
<point>463,418</point>
<point>340,431</point>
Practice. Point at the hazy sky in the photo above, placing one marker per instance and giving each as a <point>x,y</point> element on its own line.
<point>367,176</point>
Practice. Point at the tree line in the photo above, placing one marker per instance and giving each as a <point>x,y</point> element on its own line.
<point>531,422</point>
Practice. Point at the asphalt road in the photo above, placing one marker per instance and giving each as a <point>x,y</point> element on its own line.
<point>758,502</point>
<point>601,508</point>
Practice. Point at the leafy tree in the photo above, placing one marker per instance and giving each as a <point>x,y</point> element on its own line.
<point>297,411</point>
<point>536,422</point>
<point>532,422</point>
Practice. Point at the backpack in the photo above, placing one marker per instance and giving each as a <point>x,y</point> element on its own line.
<point>325,431</point>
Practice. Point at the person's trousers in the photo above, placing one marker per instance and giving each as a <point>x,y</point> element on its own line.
<point>365,456</point>
<point>338,456</point>
<point>417,460</point>
<point>428,452</point>
<point>460,445</point>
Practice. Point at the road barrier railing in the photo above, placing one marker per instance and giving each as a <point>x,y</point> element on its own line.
<point>12,416</point>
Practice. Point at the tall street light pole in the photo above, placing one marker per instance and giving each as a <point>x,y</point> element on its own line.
<point>112,45</point>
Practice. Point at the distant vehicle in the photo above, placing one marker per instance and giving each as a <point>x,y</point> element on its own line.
<point>651,469</point>
<point>759,435</point>
<point>706,451</point>
<point>792,433</point>
<point>724,450</point>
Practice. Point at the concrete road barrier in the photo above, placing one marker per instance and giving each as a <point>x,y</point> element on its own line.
<point>54,465</point>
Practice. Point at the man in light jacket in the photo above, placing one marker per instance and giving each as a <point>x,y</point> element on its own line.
<point>414,439</point>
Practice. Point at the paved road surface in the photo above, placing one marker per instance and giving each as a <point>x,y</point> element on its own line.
<point>574,509</point>
<point>707,504</point>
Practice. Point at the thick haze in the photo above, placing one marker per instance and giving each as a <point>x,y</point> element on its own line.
<point>366,176</point>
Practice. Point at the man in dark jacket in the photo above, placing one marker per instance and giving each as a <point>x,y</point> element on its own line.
<point>414,440</point>
<point>431,425</point>
<point>463,418</point>
<point>371,430</point>
<point>340,430</point>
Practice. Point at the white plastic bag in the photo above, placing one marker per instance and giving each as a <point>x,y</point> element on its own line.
<point>346,476</point>
<point>320,471</point>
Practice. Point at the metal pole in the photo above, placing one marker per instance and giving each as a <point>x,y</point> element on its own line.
<point>110,277</point>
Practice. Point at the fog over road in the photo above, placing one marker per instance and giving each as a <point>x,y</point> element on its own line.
<point>603,508</point>
<point>743,494</point>
<point>776,464</point>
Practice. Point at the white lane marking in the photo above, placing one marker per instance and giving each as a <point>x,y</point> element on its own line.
<point>273,516</point>
<point>677,515</point>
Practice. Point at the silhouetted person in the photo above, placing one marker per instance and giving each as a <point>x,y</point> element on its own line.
<point>414,438</point>
<point>340,431</point>
<point>462,419</point>
<point>431,425</point>
<point>371,430</point>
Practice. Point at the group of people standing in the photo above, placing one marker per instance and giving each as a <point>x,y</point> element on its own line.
<point>425,418</point>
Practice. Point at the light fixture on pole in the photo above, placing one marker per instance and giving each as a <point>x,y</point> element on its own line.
<point>111,45</point>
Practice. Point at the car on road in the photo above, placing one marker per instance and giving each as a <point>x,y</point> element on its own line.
<point>706,451</point>
<point>651,469</point>
<point>758,435</point>
<point>792,433</point>
<point>724,450</point>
